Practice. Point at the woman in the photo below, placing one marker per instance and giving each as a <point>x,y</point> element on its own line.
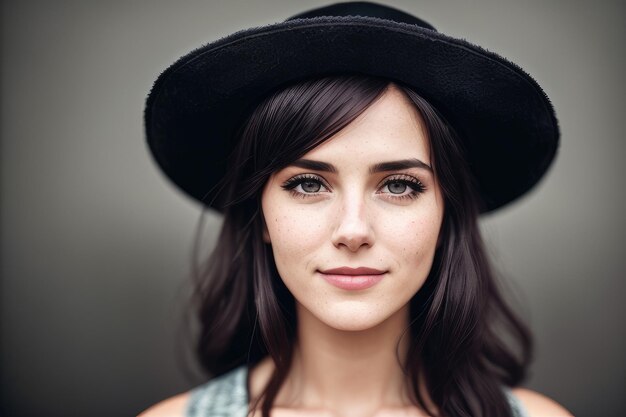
<point>351,156</point>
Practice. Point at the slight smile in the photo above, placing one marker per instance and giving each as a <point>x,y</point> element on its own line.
<point>353,279</point>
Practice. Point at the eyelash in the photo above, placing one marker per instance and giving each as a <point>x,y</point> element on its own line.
<point>418,188</point>
<point>413,183</point>
<point>291,184</point>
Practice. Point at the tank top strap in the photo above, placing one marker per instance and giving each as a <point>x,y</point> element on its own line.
<point>227,396</point>
<point>224,396</point>
<point>517,408</point>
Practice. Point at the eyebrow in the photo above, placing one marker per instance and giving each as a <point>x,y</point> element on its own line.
<point>399,165</point>
<point>314,165</point>
<point>380,167</point>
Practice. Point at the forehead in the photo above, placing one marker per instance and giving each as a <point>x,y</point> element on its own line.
<point>391,128</point>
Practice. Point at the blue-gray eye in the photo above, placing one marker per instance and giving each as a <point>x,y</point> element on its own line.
<point>311,186</point>
<point>305,185</point>
<point>396,187</point>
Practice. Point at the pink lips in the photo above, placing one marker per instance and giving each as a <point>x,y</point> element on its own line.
<point>353,278</point>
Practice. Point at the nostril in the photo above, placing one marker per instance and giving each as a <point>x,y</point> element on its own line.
<point>352,228</point>
<point>351,240</point>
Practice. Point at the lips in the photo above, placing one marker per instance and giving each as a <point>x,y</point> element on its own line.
<point>345,270</point>
<point>353,279</point>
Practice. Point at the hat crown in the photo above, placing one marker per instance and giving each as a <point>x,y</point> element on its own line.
<point>502,116</point>
<point>364,9</point>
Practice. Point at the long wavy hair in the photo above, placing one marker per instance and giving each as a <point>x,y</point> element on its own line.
<point>464,339</point>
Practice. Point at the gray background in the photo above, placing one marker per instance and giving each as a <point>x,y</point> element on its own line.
<point>96,245</point>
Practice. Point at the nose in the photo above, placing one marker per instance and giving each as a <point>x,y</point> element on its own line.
<point>353,228</point>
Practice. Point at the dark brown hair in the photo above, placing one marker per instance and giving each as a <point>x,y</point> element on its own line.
<point>459,320</point>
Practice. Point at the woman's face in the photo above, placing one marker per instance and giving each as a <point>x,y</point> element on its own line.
<point>354,223</point>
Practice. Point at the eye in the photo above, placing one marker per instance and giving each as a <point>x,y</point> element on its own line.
<point>310,186</point>
<point>396,187</point>
<point>402,186</point>
<point>305,185</point>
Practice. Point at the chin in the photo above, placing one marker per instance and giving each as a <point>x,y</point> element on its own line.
<point>352,326</point>
<point>353,316</point>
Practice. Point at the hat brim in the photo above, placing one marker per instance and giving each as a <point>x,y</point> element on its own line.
<point>505,120</point>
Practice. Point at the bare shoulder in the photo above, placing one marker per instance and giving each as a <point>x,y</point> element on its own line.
<point>172,407</point>
<point>538,405</point>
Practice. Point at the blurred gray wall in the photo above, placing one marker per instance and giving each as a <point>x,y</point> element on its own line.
<point>96,245</point>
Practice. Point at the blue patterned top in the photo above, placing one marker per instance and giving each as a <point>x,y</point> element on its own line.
<point>227,396</point>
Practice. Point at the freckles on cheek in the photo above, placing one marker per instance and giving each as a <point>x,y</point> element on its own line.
<point>295,232</point>
<point>414,237</point>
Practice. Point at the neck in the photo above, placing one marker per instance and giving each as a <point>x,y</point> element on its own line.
<point>348,372</point>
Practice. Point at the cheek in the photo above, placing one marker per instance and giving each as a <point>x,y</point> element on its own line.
<point>294,233</point>
<point>412,237</point>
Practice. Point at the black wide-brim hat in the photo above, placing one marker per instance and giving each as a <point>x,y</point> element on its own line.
<point>504,118</point>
